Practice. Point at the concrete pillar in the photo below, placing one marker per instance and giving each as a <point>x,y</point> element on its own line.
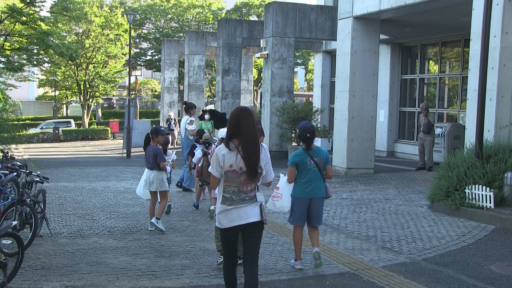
<point>229,64</point>
<point>169,81</point>
<point>387,100</point>
<point>357,66</point>
<point>278,89</point>
<point>195,57</point>
<point>247,80</point>
<point>499,73</point>
<point>321,85</point>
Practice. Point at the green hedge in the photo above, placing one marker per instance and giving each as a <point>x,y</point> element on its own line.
<point>119,114</point>
<point>26,137</point>
<point>99,133</point>
<point>105,115</point>
<point>462,169</point>
<point>18,127</point>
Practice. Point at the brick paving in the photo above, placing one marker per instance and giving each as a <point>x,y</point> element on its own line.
<point>100,236</point>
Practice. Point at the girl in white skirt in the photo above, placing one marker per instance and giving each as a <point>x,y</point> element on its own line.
<point>156,176</point>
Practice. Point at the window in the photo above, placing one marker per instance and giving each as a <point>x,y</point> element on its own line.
<point>435,73</point>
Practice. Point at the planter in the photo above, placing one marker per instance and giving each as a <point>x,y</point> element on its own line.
<point>324,143</point>
<point>291,149</point>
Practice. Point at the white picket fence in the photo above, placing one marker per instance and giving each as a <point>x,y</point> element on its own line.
<point>480,195</point>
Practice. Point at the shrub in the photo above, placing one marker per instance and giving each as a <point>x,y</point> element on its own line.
<point>18,127</point>
<point>291,114</point>
<point>462,169</point>
<point>85,134</point>
<point>41,119</point>
<point>26,137</point>
<point>119,114</point>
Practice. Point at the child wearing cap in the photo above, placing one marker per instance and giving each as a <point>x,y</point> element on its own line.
<point>308,192</point>
<point>156,177</point>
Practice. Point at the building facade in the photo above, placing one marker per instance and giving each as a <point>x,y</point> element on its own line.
<point>392,55</point>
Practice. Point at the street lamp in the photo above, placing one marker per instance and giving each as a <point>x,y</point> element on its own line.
<point>130,16</point>
<point>55,116</point>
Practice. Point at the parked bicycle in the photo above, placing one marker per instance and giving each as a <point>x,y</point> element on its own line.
<point>36,196</point>
<point>12,252</point>
<point>15,208</point>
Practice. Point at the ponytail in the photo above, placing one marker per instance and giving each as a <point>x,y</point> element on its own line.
<point>189,106</point>
<point>165,145</point>
<point>308,143</point>
<point>147,141</point>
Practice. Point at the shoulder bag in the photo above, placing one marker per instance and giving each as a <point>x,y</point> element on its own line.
<point>327,188</point>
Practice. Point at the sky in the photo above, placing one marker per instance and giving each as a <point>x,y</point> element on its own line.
<point>231,3</point>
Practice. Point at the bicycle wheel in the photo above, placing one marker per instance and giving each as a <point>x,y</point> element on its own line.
<point>39,203</point>
<point>26,216</point>
<point>11,256</point>
<point>13,184</point>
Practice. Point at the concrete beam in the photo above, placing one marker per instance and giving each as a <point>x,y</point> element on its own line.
<point>278,89</point>
<point>292,20</point>
<point>172,51</point>
<point>357,65</point>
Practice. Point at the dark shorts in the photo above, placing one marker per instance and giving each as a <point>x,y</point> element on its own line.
<point>306,210</point>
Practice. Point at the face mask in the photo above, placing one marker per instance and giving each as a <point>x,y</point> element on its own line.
<point>207,117</point>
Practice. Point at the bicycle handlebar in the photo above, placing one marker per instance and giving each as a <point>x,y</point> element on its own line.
<point>30,173</point>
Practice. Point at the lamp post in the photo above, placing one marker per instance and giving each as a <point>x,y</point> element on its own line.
<point>130,16</point>
<point>55,116</point>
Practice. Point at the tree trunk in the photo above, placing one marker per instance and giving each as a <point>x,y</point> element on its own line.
<point>98,112</point>
<point>85,119</point>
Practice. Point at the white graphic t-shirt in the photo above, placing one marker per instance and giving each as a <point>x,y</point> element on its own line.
<point>237,202</point>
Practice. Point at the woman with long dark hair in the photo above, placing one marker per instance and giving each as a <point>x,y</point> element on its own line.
<point>237,167</point>
<point>308,192</point>
<point>188,131</point>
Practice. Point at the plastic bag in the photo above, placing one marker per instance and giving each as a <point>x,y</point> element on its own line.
<point>143,193</point>
<point>281,199</point>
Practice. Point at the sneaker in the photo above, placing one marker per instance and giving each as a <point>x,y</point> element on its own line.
<point>297,264</point>
<point>196,206</point>
<point>168,208</point>
<point>158,224</point>
<point>185,189</point>
<point>429,169</point>
<point>240,260</point>
<point>211,212</point>
<point>220,260</point>
<point>151,227</point>
<point>421,168</point>
<point>317,259</point>
<point>179,184</point>
<point>203,197</point>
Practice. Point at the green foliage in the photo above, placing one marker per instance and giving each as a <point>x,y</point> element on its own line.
<point>88,51</point>
<point>304,59</point>
<point>25,137</point>
<point>462,169</point>
<point>291,114</point>
<point>100,133</point>
<point>8,108</point>
<point>170,19</point>
<point>296,84</point>
<point>248,10</point>
<point>150,88</point>
<point>21,37</point>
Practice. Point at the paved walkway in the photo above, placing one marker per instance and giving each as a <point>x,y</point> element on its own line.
<point>100,236</point>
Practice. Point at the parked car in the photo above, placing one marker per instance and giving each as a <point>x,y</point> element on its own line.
<point>121,102</point>
<point>109,103</point>
<point>49,124</point>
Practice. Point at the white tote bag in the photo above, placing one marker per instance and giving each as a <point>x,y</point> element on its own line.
<point>143,193</point>
<point>281,199</point>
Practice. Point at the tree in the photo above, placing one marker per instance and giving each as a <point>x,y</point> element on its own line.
<point>22,35</point>
<point>150,87</point>
<point>89,49</point>
<point>303,59</point>
<point>161,19</point>
<point>257,81</point>
<point>248,10</point>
